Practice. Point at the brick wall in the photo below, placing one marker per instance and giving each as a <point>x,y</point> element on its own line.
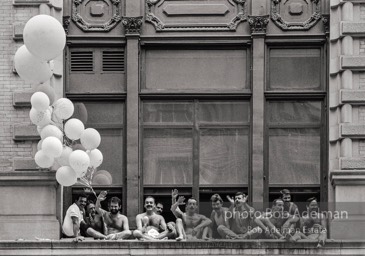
<point>9,83</point>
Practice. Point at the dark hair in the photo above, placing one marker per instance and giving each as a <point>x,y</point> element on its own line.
<point>285,191</point>
<point>240,194</point>
<point>215,198</point>
<point>115,199</point>
<point>309,200</point>
<point>82,196</point>
<point>90,202</point>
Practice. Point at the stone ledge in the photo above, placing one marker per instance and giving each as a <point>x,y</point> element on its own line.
<point>353,130</point>
<point>34,178</point>
<point>22,99</point>
<point>24,164</point>
<point>353,96</point>
<point>23,132</point>
<point>29,2</point>
<point>348,177</point>
<point>219,247</point>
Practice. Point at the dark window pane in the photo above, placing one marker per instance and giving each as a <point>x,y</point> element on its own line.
<point>193,69</point>
<point>111,147</point>
<point>294,156</point>
<point>223,156</point>
<point>167,156</point>
<point>223,112</point>
<point>168,112</point>
<point>295,112</point>
<point>101,114</point>
<point>295,69</point>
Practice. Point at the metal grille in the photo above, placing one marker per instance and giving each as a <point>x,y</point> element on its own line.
<point>82,61</point>
<point>113,60</point>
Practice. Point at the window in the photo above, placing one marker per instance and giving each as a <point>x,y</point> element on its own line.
<point>199,146</point>
<point>295,123</point>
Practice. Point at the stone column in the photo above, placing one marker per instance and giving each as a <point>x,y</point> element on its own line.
<point>258,22</point>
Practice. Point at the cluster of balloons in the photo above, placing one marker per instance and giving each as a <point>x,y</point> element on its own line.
<point>65,144</point>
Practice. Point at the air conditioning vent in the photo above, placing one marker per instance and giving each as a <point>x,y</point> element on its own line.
<point>113,61</point>
<point>82,61</point>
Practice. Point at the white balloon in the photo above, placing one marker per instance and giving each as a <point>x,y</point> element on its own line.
<point>31,69</point>
<point>52,146</point>
<point>74,128</point>
<point>51,130</point>
<point>44,36</point>
<point>63,108</point>
<point>39,145</point>
<point>55,166</point>
<point>43,160</point>
<point>90,138</point>
<point>63,159</point>
<point>39,101</point>
<point>96,157</point>
<point>66,176</point>
<point>102,177</point>
<point>40,118</point>
<point>79,161</point>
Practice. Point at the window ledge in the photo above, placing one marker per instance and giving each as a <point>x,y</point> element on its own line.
<point>216,247</point>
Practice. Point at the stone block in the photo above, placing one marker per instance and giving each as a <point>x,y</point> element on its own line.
<point>353,96</point>
<point>352,163</point>
<point>353,130</point>
<point>25,133</point>
<point>24,164</point>
<point>353,28</point>
<point>350,229</point>
<point>22,99</point>
<point>353,62</point>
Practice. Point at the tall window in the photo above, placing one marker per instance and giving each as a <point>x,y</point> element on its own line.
<point>295,121</point>
<point>197,146</point>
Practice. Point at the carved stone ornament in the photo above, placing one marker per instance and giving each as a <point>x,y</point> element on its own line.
<point>258,24</point>
<point>174,15</point>
<point>96,15</point>
<point>326,22</point>
<point>66,22</point>
<point>132,24</point>
<point>295,14</point>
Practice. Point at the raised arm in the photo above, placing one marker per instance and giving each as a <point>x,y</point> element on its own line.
<point>175,207</point>
<point>101,197</point>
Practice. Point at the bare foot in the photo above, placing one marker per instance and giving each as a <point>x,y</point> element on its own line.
<point>180,238</point>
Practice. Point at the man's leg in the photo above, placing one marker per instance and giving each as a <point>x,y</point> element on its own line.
<point>93,233</point>
<point>225,232</point>
<point>180,230</point>
<point>139,235</point>
<point>120,235</point>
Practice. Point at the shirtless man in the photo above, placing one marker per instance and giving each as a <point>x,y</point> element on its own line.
<point>272,221</point>
<point>290,209</point>
<point>170,231</point>
<point>217,216</point>
<point>149,224</point>
<point>94,219</point>
<point>240,217</point>
<point>117,226</point>
<point>189,224</point>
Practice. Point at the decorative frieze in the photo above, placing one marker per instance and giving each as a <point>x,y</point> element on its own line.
<point>132,25</point>
<point>295,15</point>
<point>199,15</point>
<point>258,24</point>
<point>96,16</point>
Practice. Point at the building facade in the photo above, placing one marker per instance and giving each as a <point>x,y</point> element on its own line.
<point>208,97</point>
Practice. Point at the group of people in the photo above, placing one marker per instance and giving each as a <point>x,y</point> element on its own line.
<point>239,221</point>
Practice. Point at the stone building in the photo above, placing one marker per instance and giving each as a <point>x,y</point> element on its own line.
<point>207,96</point>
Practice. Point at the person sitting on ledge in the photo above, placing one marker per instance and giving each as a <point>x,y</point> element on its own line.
<point>240,217</point>
<point>150,225</point>
<point>74,224</point>
<point>312,225</point>
<point>217,216</point>
<point>93,219</point>
<point>189,224</point>
<point>272,221</point>
<point>117,226</point>
<point>170,231</point>
<point>290,209</point>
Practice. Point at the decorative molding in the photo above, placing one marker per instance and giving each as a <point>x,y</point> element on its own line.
<point>276,6</point>
<point>29,2</point>
<point>258,24</point>
<point>132,24</point>
<point>66,20</point>
<point>152,5</point>
<point>77,18</point>
<point>326,22</point>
